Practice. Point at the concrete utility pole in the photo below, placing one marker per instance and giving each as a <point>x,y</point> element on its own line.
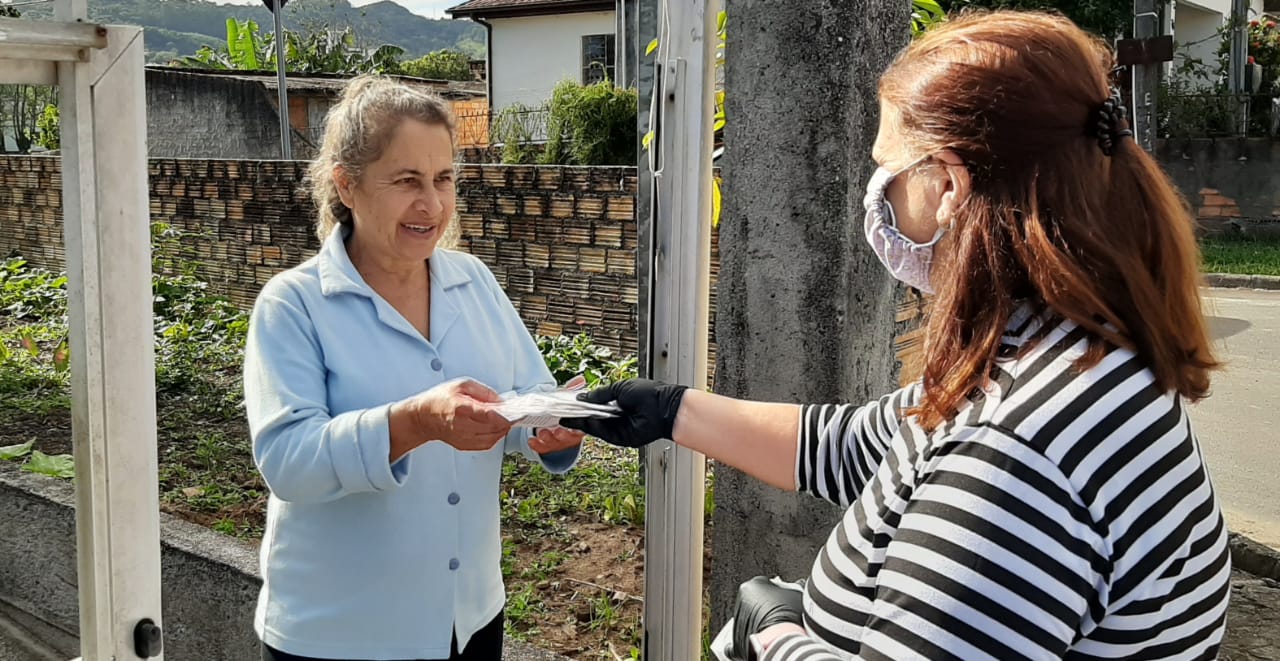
<point>1146,73</point>
<point>805,311</point>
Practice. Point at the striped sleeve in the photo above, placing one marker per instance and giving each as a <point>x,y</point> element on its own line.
<point>796,647</point>
<point>841,446</point>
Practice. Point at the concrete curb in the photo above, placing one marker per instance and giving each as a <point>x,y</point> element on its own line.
<point>1237,281</point>
<point>1250,556</point>
<point>211,581</point>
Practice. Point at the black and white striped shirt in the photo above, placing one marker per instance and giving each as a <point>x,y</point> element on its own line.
<point>1061,514</point>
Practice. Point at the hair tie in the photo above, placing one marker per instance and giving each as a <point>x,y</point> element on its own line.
<point>1112,123</point>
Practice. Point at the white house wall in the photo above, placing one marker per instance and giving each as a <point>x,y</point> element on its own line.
<point>1195,29</point>
<point>531,54</point>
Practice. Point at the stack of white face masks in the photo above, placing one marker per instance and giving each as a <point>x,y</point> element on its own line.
<point>545,409</point>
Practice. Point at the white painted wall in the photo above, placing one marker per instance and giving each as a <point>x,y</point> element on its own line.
<point>1195,33</point>
<point>1197,22</point>
<point>531,54</point>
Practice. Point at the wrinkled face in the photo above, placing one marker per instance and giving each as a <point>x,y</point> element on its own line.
<point>404,201</point>
<point>925,195</point>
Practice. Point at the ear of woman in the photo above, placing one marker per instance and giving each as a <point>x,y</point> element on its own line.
<point>955,184</point>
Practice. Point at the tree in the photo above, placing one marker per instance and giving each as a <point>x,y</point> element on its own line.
<point>805,312</point>
<point>1106,18</point>
<point>9,12</point>
<point>327,51</point>
<point>439,65</point>
<point>21,109</point>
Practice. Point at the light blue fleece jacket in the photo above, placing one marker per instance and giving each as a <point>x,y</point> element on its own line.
<point>361,558</point>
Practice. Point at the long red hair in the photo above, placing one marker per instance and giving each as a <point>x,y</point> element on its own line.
<point>1105,241</point>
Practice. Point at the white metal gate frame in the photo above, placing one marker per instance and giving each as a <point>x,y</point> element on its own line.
<point>99,71</point>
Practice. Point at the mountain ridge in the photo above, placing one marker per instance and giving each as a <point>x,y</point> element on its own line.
<point>173,28</point>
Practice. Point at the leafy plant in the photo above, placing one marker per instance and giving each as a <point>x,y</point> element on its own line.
<point>11,452</point>
<point>31,295</point>
<point>926,14</point>
<point>521,605</point>
<point>568,357</point>
<point>48,128</point>
<point>591,124</point>
<point>58,465</point>
<point>439,65</point>
<point>319,51</point>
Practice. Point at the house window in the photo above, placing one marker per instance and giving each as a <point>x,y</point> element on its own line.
<point>597,58</point>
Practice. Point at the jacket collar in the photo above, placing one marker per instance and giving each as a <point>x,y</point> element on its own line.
<point>338,275</point>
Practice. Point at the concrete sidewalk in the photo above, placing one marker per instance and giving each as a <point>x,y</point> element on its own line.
<point>1239,425</point>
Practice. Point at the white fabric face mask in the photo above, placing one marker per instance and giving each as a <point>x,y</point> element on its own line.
<point>906,260</point>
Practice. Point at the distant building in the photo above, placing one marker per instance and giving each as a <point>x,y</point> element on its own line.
<point>534,44</point>
<point>197,113</point>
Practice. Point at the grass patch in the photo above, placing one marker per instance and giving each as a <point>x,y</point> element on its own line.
<point>1241,255</point>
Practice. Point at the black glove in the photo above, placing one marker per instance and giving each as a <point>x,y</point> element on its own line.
<point>762,604</point>
<point>648,412</point>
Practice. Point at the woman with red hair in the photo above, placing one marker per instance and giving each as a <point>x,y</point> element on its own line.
<point>1039,493</point>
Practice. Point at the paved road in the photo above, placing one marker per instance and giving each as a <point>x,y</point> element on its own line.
<point>1239,425</point>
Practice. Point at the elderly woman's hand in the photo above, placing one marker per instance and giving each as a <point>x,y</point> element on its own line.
<point>459,412</point>
<point>555,439</point>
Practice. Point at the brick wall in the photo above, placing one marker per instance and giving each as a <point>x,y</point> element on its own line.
<point>561,240</point>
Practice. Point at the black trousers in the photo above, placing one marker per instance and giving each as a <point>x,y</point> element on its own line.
<point>485,645</point>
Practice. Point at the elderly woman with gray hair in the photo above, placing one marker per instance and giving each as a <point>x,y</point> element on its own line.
<point>370,375</point>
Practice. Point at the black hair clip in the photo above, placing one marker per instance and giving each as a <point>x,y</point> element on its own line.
<point>1112,123</point>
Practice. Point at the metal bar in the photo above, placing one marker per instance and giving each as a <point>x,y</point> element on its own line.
<point>84,311</point>
<point>1237,58</point>
<point>680,284</point>
<point>106,215</point>
<point>51,33</point>
<point>11,51</point>
<point>286,133</point>
<point>28,72</point>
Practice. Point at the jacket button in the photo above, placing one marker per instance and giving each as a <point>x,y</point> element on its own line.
<point>436,364</point>
<point>453,564</point>
<point>454,498</point>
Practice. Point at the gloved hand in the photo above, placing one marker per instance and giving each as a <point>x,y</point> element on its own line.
<point>761,604</point>
<point>648,412</point>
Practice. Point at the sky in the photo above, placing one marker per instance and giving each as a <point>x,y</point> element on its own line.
<point>428,8</point>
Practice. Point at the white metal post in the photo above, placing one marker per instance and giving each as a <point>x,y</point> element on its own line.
<point>679,292</point>
<point>99,71</point>
<point>286,132</point>
<point>109,252</point>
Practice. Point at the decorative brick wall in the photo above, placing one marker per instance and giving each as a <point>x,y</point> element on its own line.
<point>244,220</point>
<point>561,240</point>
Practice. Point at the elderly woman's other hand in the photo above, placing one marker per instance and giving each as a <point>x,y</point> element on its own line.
<point>555,439</point>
